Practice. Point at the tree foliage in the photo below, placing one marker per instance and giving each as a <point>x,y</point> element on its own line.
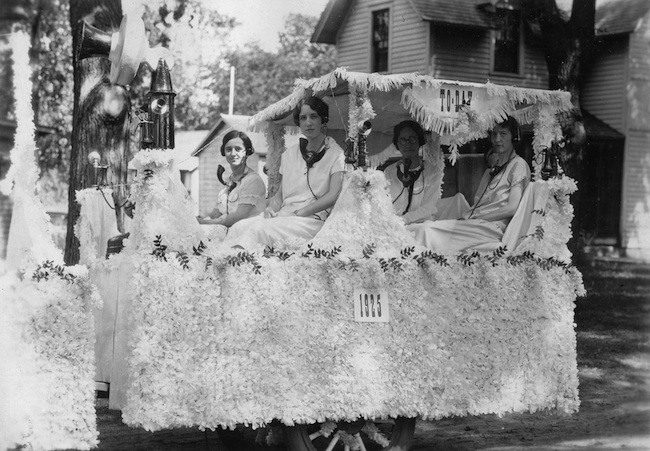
<point>263,77</point>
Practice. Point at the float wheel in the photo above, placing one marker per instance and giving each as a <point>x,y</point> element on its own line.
<point>386,435</point>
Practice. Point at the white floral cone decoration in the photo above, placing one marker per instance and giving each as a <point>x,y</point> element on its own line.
<point>47,391</point>
<point>29,235</point>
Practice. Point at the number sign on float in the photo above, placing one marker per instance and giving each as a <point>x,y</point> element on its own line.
<point>370,306</point>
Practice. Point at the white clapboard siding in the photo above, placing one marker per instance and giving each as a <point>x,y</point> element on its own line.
<point>639,78</point>
<point>635,214</point>
<point>603,93</point>
<point>464,54</point>
<point>459,54</point>
<point>353,43</point>
<point>635,217</point>
<point>409,39</point>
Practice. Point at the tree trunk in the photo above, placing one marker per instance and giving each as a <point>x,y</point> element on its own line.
<point>100,119</point>
<point>569,47</point>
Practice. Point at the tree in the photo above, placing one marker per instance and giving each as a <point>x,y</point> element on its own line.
<point>569,48</point>
<point>264,77</point>
<point>197,39</point>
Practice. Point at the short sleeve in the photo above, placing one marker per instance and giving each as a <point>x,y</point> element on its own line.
<point>520,173</point>
<point>338,165</point>
<point>252,190</point>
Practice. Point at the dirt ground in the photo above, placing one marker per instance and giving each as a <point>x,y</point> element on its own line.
<point>613,327</point>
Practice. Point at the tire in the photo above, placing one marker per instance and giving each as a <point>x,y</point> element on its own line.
<point>398,432</point>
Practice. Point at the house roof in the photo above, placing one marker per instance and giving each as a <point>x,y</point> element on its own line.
<point>612,16</point>
<point>619,16</point>
<point>453,12</point>
<point>465,13</point>
<point>596,128</point>
<point>186,142</point>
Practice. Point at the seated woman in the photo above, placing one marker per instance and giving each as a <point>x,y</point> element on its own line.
<point>495,203</point>
<point>244,194</point>
<point>412,186</point>
<point>312,176</point>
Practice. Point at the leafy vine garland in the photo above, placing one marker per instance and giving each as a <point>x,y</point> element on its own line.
<point>394,264</point>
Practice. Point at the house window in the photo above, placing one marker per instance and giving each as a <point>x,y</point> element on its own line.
<point>380,40</point>
<point>507,41</point>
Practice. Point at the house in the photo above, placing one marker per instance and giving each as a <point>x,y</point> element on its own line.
<point>617,91</point>
<point>209,155</point>
<point>7,133</point>
<point>480,41</point>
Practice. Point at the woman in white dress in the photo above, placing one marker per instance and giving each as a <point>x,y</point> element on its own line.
<point>495,203</point>
<point>312,176</point>
<point>244,194</point>
<point>411,180</point>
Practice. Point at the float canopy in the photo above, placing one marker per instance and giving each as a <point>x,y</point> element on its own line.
<point>458,111</point>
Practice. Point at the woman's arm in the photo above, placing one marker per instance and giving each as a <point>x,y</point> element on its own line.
<point>509,209</point>
<point>243,211</point>
<point>274,204</point>
<point>214,214</point>
<point>327,201</point>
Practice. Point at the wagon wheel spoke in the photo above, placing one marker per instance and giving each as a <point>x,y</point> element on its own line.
<point>387,435</point>
<point>333,442</point>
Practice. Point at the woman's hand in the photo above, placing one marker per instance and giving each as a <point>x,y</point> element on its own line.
<point>211,221</point>
<point>270,213</point>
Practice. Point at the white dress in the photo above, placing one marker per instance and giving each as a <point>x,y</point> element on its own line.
<point>452,236</point>
<point>300,187</point>
<point>426,192</point>
<point>250,190</point>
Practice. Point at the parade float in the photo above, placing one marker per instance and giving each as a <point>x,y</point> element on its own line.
<point>351,337</point>
<point>348,339</point>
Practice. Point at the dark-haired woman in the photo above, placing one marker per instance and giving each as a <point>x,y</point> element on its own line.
<point>244,194</point>
<point>312,176</point>
<point>412,187</point>
<point>496,200</point>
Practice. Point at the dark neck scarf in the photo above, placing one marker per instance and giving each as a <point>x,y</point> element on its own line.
<point>311,158</point>
<point>408,178</point>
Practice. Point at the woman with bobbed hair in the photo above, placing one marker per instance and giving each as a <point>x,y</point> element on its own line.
<point>496,200</point>
<point>411,180</point>
<point>312,176</point>
<point>244,194</point>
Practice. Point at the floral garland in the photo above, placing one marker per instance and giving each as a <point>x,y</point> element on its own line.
<point>547,130</point>
<point>162,203</point>
<point>360,111</point>
<point>276,144</point>
<point>366,194</point>
<point>556,225</point>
